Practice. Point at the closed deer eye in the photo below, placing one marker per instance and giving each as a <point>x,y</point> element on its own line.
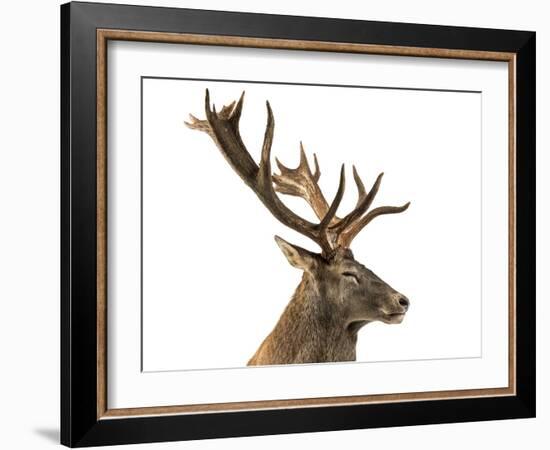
<point>351,275</point>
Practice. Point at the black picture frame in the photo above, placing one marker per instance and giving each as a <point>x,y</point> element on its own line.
<point>80,425</point>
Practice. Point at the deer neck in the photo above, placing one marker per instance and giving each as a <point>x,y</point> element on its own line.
<point>311,329</point>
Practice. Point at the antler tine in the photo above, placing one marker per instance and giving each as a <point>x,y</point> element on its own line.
<point>264,174</point>
<point>301,182</point>
<point>235,114</point>
<point>360,186</point>
<point>348,235</point>
<point>363,202</point>
<point>317,173</point>
<point>331,213</point>
<point>329,239</point>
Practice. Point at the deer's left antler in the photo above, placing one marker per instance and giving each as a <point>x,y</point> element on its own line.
<point>301,182</point>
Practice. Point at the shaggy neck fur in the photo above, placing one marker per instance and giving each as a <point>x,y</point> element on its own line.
<point>310,330</point>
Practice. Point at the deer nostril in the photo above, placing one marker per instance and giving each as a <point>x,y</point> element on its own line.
<point>404,301</point>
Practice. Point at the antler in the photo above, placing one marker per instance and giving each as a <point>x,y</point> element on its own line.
<point>331,232</point>
<point>301,182</point>
<point>223,128</point>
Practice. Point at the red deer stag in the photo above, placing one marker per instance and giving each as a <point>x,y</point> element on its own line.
<point>337,295</point>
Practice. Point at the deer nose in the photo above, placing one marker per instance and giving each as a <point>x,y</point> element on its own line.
<point>404,302</point>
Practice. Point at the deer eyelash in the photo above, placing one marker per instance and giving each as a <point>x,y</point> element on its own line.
<point>351,274</point>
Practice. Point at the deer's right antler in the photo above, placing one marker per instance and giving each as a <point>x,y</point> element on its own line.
<point>331,232</point>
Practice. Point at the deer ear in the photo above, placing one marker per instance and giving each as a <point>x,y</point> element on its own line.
<point>297,256</point>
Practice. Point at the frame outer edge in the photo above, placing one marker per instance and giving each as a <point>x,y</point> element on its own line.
<point>526,224</point>
<point>79,423</point>
<point>79,199</point>
<point>65,335</point>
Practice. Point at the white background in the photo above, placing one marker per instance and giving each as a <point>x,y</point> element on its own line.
<point>222,277</point>
<point>29,244</point>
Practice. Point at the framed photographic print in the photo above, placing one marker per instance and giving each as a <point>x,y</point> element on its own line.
<point>277,224</point>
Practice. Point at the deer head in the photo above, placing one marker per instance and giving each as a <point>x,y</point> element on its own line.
<point>358,294</point>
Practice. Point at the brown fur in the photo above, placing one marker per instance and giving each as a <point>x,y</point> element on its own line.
<point>329,307</point>
<point>310,330</point>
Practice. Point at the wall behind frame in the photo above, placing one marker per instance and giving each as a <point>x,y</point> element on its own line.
<point>29,231</point>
